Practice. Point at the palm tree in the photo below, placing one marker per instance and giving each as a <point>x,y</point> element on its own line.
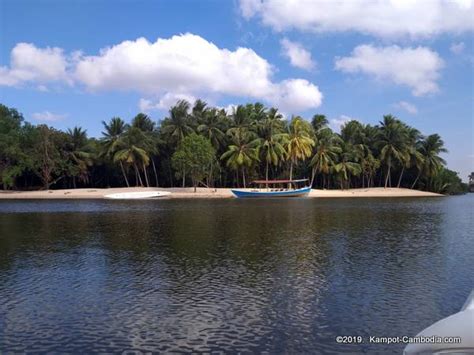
<point>131,152</point>
<point>299,144</point>
<point>179,123</point>
<point>319,122</point>
<point>414,157</point>
<point>78,153</point>
<point>272,139</point>
<point>430,148</point>
<point>347,165</point>
<point>325,156</point>
<point>240,120</point>
<point>242,153</point>
<point>392,141</point>
<point>212,126</point>
<point>150,141</point>
<point>110,141</point>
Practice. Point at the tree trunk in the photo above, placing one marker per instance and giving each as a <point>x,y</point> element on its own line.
<point>417,177</point>
<point>313,173</point>
<point>184,177</point>
<point>388,175</point>
<point>266,173</point>
<point>400,178</point>
<point>137,173</point>
<point>154,170</point>
<point>146,175</point>
<point>243,178</point>
<point>291,173</point>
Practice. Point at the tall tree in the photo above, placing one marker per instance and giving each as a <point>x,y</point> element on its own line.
<point>299,144</point>
<point>113,132</point>
<point>272,139</point>
<point>79,154</point>
<point>179,123</point>
<point>325,156</point>
<point>194,155</point>
<point>392,141</point>
<point>430,149</point>
<point>242,153</point>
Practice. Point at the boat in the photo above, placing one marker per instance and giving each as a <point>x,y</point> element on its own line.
<point>140,195</point>
<point>274,188</point>
<point>450,335</point>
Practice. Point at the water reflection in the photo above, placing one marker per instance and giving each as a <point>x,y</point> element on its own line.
<point>278,276</point>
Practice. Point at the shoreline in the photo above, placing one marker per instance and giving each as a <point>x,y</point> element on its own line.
<point>188,192</point>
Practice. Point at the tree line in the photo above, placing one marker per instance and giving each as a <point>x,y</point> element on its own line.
<point>198,145</point>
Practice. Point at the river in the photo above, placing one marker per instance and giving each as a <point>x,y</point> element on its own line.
<point>230,275</point>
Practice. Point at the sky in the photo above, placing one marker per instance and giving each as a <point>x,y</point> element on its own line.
<point>79,62</point>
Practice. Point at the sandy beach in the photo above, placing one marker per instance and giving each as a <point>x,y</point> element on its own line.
<point>188,192</point>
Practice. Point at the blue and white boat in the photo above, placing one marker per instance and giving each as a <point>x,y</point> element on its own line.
<point>274,188</point>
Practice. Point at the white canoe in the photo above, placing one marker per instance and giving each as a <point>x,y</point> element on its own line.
<point>137,195</point>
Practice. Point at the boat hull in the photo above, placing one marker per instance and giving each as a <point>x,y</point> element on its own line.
<point>271,194</point>
<point>137,195</point>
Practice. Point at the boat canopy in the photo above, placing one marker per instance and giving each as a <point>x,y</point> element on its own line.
<point>272,182</point>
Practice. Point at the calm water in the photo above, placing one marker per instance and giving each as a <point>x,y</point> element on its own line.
<point>276,276</point>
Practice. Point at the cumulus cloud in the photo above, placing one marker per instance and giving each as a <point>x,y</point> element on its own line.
<point>408,107</point>
<point>298,56</point>
<point>382,18</point>
<point>47,116</point>
<point>164,102</point>
<point>336,123</point>
<point>31,64</point>
<point>457,48</point>
<point>418,68</point>
<point>184,65</point>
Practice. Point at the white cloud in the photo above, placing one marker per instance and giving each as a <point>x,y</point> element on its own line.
<point>408,107</point>
<point>298,56</point>
<point>457,48</point>
<point>48,116</point>
<point>382,18</point>
<point>189,64</point>
<point>417,68</point>
<point>163,103</point>
<point>31,64</point>
<point>336,123</point>
<point>183,66</point>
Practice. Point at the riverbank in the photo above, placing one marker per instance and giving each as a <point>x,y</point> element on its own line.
<point>188,192</point>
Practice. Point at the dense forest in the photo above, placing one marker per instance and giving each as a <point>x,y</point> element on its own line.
<point>198,145</point>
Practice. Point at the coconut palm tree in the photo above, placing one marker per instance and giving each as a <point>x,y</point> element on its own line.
<point>272,139</point>
<point>78,153</point>
<point>299,144</point>
<point>242,152</point>
<point>347,165</point>
<point>179,123</point>
<point>132,153</point>
<point>150,140</point>
<point>325,157</point>
<point>110,140</point>
<point>392,142</point>
<point>430,148</point>
<point>212,126</point>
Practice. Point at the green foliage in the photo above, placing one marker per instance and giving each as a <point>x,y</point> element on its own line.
<point>448,182</point>
<point>194,156</point>
<point>206,145</point>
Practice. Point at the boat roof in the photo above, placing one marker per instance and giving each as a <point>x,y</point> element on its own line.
<point>269,182</point>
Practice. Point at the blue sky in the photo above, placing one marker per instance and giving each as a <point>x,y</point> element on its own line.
<point>67,63</point>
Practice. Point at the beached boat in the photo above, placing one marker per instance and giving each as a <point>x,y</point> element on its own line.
<point>275,188</point>
<point>140,195</point>
<point>450,335</point>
